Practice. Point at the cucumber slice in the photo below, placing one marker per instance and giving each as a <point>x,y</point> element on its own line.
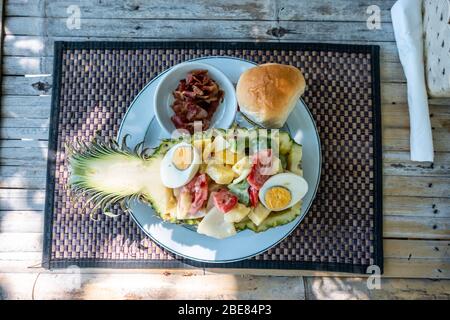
<point>285,143</point>
<point>294,159</point>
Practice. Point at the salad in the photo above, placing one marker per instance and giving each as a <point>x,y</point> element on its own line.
<point>221,181</point>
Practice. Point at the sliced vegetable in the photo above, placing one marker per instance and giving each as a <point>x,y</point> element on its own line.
<point>241,191</point>
<point>238,213</point>
<point>225,200</point>
<point>285,143</point>
<point>214,225</point>
<point>295,159</point>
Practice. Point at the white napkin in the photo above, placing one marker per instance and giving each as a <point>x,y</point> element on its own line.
<point>408,30</point>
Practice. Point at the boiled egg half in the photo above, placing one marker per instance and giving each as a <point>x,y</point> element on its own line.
<point>282,191</point>
<point>179,165</point>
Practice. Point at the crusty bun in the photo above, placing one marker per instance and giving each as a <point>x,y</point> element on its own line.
<point>268,93</point>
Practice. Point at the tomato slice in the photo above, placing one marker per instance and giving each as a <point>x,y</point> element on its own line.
<point>262,164</point>
<point>224,200</point>
<point>198,188</point>
<point>253,193</point>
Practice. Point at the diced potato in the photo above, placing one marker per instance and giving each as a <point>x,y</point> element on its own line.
<point>238,213</point>
<point>295,159</point>
<point>220,173</point>
<point>259,214</point>
<point>285,142</point>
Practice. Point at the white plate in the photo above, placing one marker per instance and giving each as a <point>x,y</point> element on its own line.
<point>187,243</point>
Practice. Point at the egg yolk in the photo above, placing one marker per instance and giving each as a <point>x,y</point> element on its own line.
<point>182,158</point>
<point>277,198</point>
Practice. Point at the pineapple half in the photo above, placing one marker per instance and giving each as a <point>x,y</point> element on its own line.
<point>106,173</point>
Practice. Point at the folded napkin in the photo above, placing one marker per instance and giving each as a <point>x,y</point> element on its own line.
<point>408,30</point>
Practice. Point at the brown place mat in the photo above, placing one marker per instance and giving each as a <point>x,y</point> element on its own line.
<point>95,82</point>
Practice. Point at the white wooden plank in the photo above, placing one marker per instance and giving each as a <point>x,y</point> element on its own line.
<point>333,10</point>
<point>25,123</point>
<point>416,249</point>
<point>27,65</point>
<point>22,200</point>
<point>399,163</point>
<point>17,286</point>
<point>21,221</point>
<point>22,242</point>
<point>26,86</point>
<point>397,115</point>
<point>28,8</point>
<point>413,186</point>
<point>336,10</point>
<point>393,93</point>
<point>147,286</point>
<point>24,133</point>
<point>34,157</point>
<point>397,139</point>
<point>325,288</point>
<point>412,290</point>
<point>418,206</point>
<point>416,228</point>
<point>329,31</point>
<point>186,29</point>
<point>159,9</point>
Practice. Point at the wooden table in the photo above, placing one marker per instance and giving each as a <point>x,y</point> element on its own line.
<point>416,195</point>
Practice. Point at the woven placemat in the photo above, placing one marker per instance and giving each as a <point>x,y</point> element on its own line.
<point>95,82</point>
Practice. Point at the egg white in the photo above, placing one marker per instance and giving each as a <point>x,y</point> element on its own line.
<point>171,176</point>
<point>297,186</point>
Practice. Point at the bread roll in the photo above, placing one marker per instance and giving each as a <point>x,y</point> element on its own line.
<point>267,94</point>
